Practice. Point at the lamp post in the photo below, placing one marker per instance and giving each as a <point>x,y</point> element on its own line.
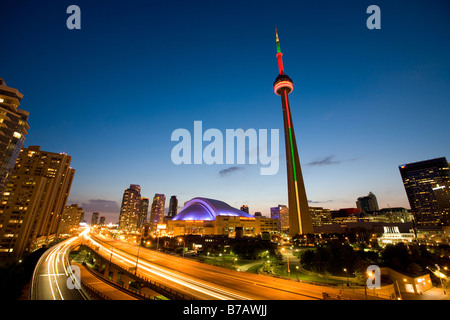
<point>365,283</point>
<point>157,242</point>
<point>345,269</point>
<point>110,257</point>
<point>137,257</point>
<point>184,244</point>
<point>440,277</point>
<point>287,257</point>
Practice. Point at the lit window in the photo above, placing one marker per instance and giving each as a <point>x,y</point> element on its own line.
<point>17,135</point>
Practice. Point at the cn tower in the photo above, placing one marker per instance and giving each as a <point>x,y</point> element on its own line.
<point>299,217</point>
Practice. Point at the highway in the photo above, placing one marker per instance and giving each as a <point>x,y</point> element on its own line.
<point>51,279</point>
<point>204,281</point>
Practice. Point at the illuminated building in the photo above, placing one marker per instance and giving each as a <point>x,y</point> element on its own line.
<point>202,216</point>
<point>13,128</point>
<point>143,211</point>
<point>281,213</point>
<point>94,219</point>
<point>157,211</point>
<point>320,216</point>
<point>367,203</point>
<point>442,194</point>
<point>299,217</point>
<point>32,204</point>
<point>397,214</point>
<point>130,208</point>
<point>425,182</point>
<point>284,218</point>
<point>173,207</point>
<point>102,221</point>
<point>245,208</point>
<point>392,235</point>
<point>70,219</point>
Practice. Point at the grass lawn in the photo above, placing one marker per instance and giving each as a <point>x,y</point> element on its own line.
<point>297,275</point>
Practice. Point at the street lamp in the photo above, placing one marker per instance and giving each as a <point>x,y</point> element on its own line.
<point>137,257</point>
<point>345,269</point>
<point>440,277</point>
<point>368,274</point>
<point>110,257</point>
<point>287,256</point>
<point>179,240</point>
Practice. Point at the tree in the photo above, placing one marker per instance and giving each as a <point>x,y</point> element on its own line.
<point>396,257</point>
<point>414,269</point>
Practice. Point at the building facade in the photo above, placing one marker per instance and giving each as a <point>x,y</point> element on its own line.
<point>130,209</point>
<point>157,211</point>
<point>367,204</point>
<point>320,216</point>
<point>425,184</point>
<point>281,213</point>
<point>70,220</point>
<point>13,128</point>
<point>245,208</point>
<point>173,207</point>
<point>397,214</point>
<point>94,218</point>
<point>143,211</point>
<point>32,204</point>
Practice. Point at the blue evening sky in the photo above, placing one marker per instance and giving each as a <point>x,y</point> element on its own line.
<point>111,94</point>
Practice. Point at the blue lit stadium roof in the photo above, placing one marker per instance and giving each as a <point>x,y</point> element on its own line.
<point>208,209</point>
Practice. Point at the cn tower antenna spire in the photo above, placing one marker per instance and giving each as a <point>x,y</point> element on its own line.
<point>278,40</point>
<point>279,54</point>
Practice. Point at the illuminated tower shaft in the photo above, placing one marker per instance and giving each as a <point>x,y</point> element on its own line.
<point>299,217</point>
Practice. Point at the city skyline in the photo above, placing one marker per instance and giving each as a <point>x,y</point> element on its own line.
<point>111,94</point>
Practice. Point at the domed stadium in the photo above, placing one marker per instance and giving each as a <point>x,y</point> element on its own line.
<point>207,210</point>
<point>203,216</point>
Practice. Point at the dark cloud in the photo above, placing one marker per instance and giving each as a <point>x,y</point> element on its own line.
<point>100,205</point>
<point>327,161</point>
<point>327,201</point>
<point>229,171</point>
<point>324,162</point>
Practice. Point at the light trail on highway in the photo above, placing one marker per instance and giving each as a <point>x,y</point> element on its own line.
<point>54,266</point>
<point>207,291</point>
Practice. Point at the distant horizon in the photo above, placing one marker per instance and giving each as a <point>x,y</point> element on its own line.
<point>166,209</point>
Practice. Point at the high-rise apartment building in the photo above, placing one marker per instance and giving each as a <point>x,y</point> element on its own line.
<point>102,221</point>
<point>245,208</point>
<point>33,201</point>
<point>367,203</point>
<point>13,128</point>
<point>173,207</point>
<point>94,218</point>
<point>157,211</point>
<point>130,208</point>
<point>70,219</point>
<point>143,211</point>
<point>427,184</point>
